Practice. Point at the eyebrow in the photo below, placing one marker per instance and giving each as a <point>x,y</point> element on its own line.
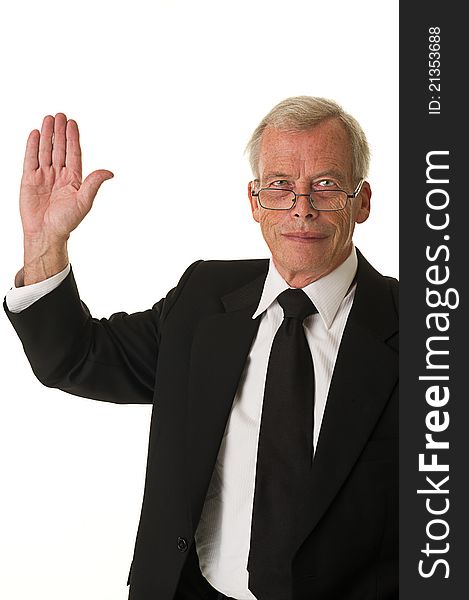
<point>327,173</point>
<point>276,174</point>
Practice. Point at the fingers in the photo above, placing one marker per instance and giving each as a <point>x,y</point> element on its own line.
<point>73,150</point>
<point>45,142</point>
<point>31,162</point>
<point>92,183</point>
<point>58,144</point>
<point>57,138</point>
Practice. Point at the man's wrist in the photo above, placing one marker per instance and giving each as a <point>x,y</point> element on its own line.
<point>42,259</point>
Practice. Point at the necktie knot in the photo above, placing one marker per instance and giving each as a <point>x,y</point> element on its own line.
<point>296,304</point>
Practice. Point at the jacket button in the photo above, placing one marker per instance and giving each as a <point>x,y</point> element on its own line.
<point>182,544</point>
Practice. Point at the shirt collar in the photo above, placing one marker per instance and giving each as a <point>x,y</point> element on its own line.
<point>326,293</point>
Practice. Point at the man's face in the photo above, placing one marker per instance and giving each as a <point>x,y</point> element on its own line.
<point>307,244</point>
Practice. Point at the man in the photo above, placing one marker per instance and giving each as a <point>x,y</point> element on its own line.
<point>272,463</point>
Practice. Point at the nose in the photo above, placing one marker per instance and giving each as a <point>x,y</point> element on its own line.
<point>303,208</point>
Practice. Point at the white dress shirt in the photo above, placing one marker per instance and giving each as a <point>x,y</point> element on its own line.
<point>223,534</point>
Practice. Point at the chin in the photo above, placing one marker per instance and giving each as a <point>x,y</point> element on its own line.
<point>304,263</point>
<point>302,267</point>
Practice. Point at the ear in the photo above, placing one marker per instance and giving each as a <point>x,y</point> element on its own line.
<point>363,203</point>
<point>253,201</point>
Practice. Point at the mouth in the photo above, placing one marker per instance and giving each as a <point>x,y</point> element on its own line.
<point>304,236</point>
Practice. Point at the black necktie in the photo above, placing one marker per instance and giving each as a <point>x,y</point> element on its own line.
<point>284,453</point>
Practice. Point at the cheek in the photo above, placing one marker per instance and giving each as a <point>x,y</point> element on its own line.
<point>269,223</point>
<point>343,223</point>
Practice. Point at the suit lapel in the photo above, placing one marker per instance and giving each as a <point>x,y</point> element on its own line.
<point>218,357</point>
<point>364,377</point>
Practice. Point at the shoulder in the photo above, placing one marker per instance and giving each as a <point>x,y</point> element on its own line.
<point>371,274</point>
<point>223,276</point>
<point>382,288</point>
<point>204,284</point>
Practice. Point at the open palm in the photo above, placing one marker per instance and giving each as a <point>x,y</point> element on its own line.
<point>53,197</point>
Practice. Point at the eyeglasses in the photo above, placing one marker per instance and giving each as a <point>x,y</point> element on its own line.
<point>325,200</point>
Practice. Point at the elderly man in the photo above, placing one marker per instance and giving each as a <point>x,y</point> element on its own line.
<point>272,463</point>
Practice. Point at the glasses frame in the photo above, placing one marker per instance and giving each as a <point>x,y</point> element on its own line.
<point>354,194</point>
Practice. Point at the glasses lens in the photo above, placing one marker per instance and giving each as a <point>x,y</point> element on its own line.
<point>329,199</point>
<point>276,199</point>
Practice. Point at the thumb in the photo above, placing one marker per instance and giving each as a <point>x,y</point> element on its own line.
<point>90,186</point>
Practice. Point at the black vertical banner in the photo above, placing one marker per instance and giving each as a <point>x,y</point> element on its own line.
<point>434,259</point>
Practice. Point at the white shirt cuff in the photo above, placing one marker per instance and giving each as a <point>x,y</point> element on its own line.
<point>20,298</point>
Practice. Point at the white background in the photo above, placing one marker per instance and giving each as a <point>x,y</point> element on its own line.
<point>166,94</point>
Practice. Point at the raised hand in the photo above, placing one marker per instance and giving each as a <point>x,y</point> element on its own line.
<point>53,198</point>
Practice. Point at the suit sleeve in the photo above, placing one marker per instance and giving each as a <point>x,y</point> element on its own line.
<point>112,359</point>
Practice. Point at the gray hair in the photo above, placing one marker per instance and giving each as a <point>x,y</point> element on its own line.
<point>301,113</point>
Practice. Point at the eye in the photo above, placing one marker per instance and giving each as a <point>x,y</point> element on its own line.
<point>325,183</point>
<point>280,183</point>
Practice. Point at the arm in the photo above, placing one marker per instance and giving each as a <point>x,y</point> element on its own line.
<point>106,359</point>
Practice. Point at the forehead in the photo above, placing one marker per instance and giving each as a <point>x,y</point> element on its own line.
<point>305,153</point>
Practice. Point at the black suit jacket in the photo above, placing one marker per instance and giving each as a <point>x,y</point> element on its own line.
<point>186,356</point>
